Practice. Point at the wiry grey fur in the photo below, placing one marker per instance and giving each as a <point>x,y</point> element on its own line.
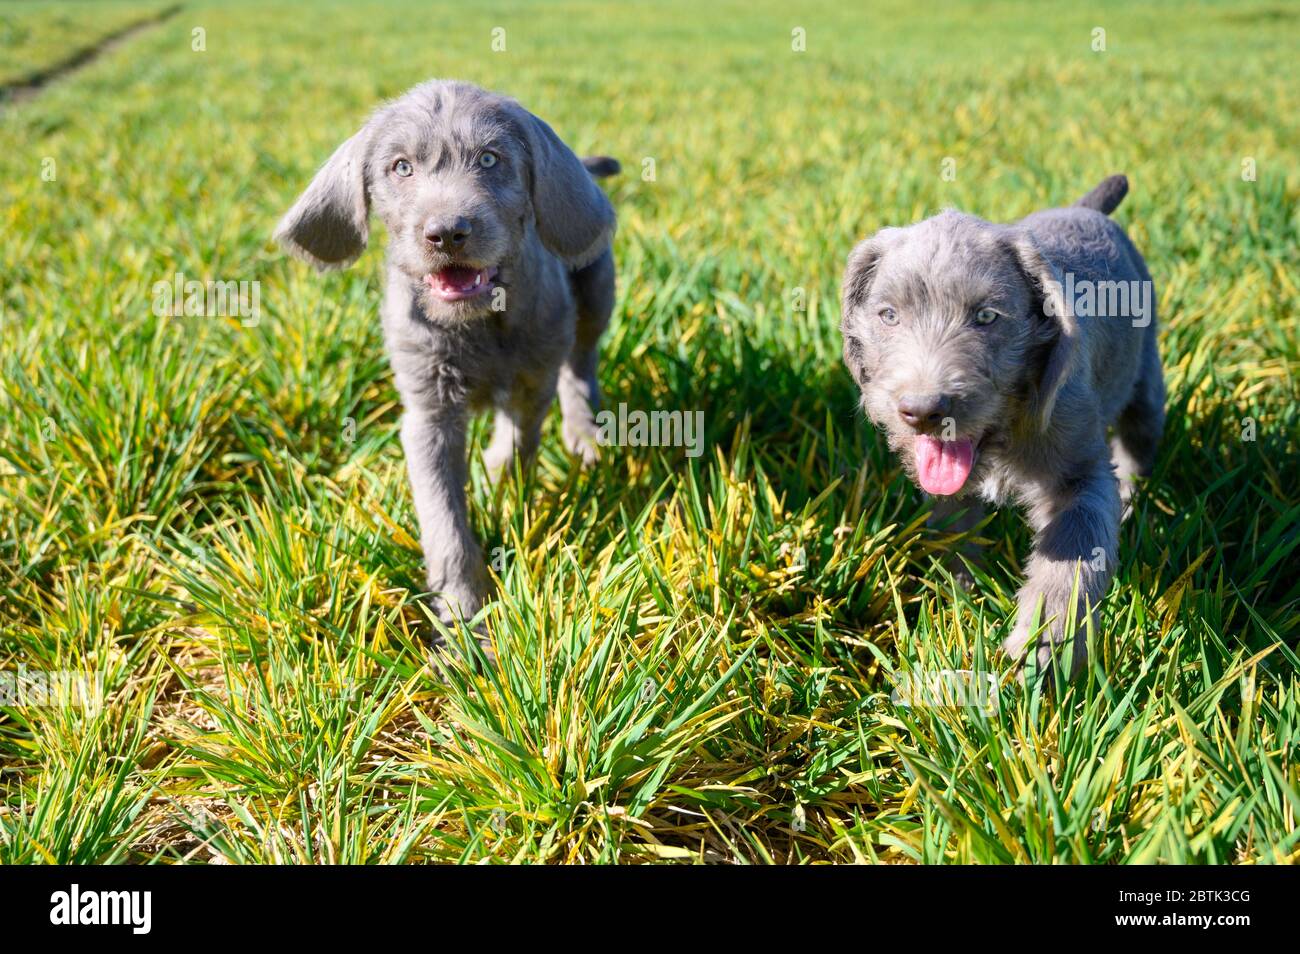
<point>538,217</point>
<point>1037,389</point>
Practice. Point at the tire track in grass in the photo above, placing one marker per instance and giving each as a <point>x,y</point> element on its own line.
<point>34,83</point>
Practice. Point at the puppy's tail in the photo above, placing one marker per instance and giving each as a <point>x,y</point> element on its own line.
<point>601,167</point>
<point>1107,196</point>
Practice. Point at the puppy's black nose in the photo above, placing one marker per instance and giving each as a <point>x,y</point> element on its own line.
<point>447,234</point>
<point>924,411</point>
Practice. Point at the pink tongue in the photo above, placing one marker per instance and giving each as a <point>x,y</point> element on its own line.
<point>458,276</point>
<point>943,466</point>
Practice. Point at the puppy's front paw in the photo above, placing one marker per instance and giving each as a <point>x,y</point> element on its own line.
<point>456,613</point>
<point>455,603</point>
<point>497,461</point>
<point>959,571</point>
<point>447,653</point>
<point>582,440</point>
<point>1043,618</point>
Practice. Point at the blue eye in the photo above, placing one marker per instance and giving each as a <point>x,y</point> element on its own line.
<point>402,168</point>
<point>487,160</point>
<point>986,316</point>
<point>889,316</point>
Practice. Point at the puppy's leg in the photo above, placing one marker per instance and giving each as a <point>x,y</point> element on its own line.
<point>1141,424</point>
<point>593,289</point>
<point>434,442</point>
<point>517,427</point>
<point>953,515</point>
<point>501,449</point>
<point>1076,532</point>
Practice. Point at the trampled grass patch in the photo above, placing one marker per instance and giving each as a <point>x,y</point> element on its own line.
<point>207,517</point>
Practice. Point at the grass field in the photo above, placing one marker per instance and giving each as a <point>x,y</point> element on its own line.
<point>35,36</point>
<point>209,519</point>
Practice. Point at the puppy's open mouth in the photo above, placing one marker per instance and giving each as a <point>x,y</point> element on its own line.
<point>458,282</point>
<point>942,467</point>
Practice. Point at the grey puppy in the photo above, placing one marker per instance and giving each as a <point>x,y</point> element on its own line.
<point>500,281</point>
<point>996,359</point>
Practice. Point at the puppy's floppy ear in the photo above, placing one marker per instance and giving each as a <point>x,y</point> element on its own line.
<point>329,224</point>
<point>1058,326</point>
<point>574,218</point>
<point>859,273</point>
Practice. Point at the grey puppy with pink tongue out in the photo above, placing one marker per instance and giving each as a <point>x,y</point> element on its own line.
<point>1017,364</point>
<point>500,281</point>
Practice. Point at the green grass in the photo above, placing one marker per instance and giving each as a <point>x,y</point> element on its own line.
<point>696,654</point>
<point>35,36</point>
